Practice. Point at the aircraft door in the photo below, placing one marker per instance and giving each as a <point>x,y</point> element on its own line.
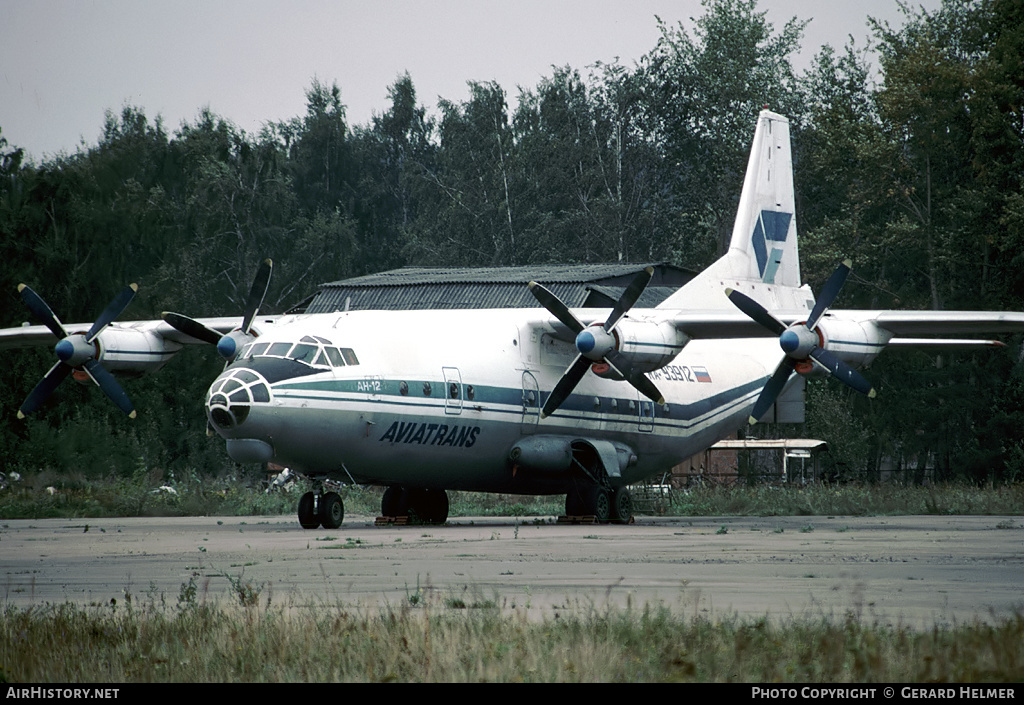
<point>453,391</point>
<point>646,418</point>
<point>531,402</point>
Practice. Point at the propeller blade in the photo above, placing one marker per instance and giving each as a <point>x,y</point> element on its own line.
<point>829,292</point>
<point>629,297</point>
<point>257,293</point>
<point>190,326</point>
<point>73,351</point>
<point>44,389</point>
<point>555,307</point>
<point>112,311</point>
<point>42,311</point>
<point>755,311</point>
<point>772,389</point>
<point>843,372</point>
<point>110,387</point>
<point>564,388</point>
<point>638,379</point>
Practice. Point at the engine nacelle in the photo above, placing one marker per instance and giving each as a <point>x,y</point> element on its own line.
<point>133,351</point>
<point>649,345</point>
<point>854,342</point>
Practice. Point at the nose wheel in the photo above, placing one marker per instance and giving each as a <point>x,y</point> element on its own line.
<point>321,509</point>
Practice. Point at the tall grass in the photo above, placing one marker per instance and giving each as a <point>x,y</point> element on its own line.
<point>447,642</point>
<point>848,500</point>
<point>63,495</point>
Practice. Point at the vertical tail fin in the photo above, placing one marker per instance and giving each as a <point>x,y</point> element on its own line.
<point>763,249</point>
<point>764,235</point>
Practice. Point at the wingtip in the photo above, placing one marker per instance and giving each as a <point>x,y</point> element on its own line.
<point>133,414</point>
<point>22,287</point>
<point>872,393</point>
<point>134,287</point>
<point>21,415</point>
<point>751,420</point>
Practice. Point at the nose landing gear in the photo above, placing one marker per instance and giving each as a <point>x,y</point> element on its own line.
<point>321,508</point>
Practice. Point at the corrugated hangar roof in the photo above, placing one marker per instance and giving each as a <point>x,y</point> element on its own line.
<point>419,288</point>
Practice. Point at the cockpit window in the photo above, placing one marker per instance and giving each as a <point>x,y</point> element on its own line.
<point>279,349</point>
<point>304,352</point>
<point>335,356</point>
<point>313,351</point>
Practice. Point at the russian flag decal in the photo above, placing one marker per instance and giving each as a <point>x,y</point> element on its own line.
<point>702,374</point>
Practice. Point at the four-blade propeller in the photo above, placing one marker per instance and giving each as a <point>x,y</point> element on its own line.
<point>801,343</point>
<point>76,351</point>
<point>228,345</point>
<point>596,343</point>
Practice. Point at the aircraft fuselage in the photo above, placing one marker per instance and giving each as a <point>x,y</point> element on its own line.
<point>439,400</point>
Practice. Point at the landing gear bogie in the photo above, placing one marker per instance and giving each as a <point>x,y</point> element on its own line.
<point>601,503</point>
<point>321,509</point>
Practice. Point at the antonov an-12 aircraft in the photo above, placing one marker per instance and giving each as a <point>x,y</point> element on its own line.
<point>533,401</point>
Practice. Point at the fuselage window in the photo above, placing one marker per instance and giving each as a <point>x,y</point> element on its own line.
<point>279,349</point>
<point>350,356</point>
<point>258,349</point>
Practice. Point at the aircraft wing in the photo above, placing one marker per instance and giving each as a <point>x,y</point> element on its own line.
<point>34,336</point>
<point>917,323</point>
<point>709,325</point>
<point>902,328</point>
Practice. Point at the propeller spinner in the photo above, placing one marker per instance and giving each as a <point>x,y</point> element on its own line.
<point>596,343</point>
<point>76,351</point>
<point>801,343</point>
<point>228,345</point>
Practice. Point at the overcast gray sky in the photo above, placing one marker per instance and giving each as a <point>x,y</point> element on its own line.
<point>64,62</point>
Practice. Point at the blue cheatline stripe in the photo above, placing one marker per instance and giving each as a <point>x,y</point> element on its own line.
<point>508,401</point>
<point>857,344</point>
<point>666,346</point>
<point>140,353</point>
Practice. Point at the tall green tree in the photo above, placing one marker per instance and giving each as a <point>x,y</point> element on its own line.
<point>704,92</point>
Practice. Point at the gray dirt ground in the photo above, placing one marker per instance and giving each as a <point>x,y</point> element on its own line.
<point>918,570</point>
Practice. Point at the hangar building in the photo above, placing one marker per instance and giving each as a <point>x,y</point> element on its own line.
<point>419,288</point>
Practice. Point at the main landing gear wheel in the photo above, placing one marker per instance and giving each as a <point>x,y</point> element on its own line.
<point>622,506</point>
<point>324,509</point>
<point>589,500</point>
